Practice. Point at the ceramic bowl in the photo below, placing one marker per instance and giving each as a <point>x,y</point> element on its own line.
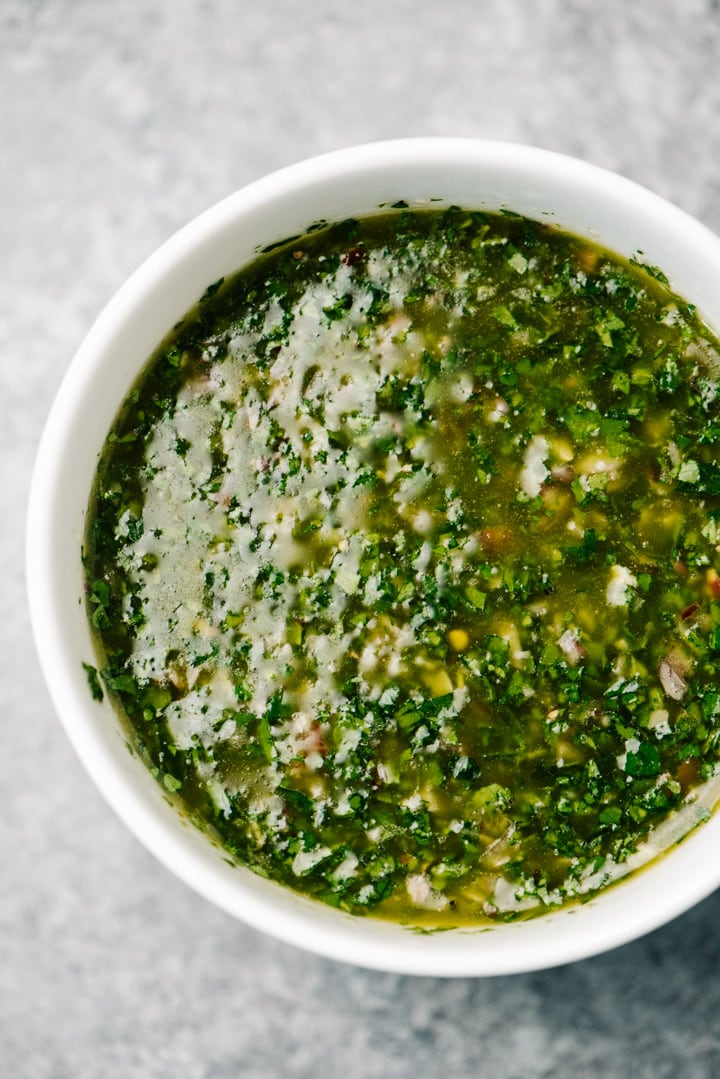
<point>578,197</point>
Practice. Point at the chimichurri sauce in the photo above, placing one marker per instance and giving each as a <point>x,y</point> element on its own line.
<point>402,558</point>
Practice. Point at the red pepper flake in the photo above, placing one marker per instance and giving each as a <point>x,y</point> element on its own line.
<point>689,611</point>
<point>353,256</point>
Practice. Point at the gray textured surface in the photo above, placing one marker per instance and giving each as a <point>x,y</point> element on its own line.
<point>117,124</point>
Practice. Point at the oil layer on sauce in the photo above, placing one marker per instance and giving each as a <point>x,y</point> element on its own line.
<point>402,559</point>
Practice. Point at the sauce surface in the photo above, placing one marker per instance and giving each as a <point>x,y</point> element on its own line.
<point>402,558</point>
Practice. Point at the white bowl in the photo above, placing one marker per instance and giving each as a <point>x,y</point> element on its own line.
<point>579,197</point>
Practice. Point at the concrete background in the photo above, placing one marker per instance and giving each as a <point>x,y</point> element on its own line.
<point>117,124</point>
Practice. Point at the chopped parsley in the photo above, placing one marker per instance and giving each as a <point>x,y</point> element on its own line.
<point>403,562</point>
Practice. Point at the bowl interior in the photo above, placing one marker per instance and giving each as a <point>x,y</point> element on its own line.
<point>424,173</point>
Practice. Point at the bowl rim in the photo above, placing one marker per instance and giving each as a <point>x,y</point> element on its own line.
<point>539,943</point>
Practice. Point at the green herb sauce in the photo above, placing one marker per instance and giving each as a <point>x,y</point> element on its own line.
<point>402,558</point>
